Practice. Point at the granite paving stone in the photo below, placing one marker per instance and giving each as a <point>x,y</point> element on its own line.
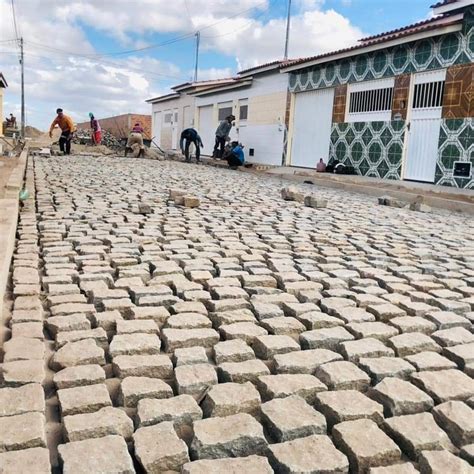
<point>150,312</point>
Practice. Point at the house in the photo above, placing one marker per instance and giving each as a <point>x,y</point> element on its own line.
<point>258,98</point>
<point>174,112</point>
<point>120,125</point>
<point>3,85</point>
<point>398,105</point>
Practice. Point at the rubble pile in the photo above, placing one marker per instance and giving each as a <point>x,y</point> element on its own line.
<point>83,137</point>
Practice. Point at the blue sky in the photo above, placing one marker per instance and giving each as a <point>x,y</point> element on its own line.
<point>65,44</point>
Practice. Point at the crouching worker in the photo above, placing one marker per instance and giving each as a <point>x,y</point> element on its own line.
<point>136,136</point>
<point>235,155</point>
<point>189,136</point>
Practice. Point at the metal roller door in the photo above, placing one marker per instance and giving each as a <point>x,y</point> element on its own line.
<point>312,127</point>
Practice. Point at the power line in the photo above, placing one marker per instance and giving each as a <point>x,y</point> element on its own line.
<point>14,19</point>
<point>166,42</point>
<point>63,61</point>
<point>98,60</point>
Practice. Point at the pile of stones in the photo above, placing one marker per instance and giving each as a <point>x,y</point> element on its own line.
<point>244,335</point>
<point>292,193</point>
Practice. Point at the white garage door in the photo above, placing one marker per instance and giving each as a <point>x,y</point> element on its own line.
<point>207,130</point>
<point>312,127</point>
<point>157,128</point>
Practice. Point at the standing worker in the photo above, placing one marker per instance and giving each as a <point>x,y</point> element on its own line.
<point>222,135</point>
<point>96,130</point>
<point>65,123</point>
<point>136,136</point>
<point>188,136</point>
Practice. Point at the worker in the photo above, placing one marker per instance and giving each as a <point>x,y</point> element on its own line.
<point>96,130</point>
<point>67,127</point>
<point>188,136</point>
<point>136,136</point>
<point>235,155</point>
<point>11,122</point>
<point>222,135</point>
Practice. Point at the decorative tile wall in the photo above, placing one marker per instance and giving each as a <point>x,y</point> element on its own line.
<point>401,92</point>
<point>456,143</point>
<point>339,107</point>
<point>458,100</point>
<point>373,148</point>
<point>430,53</point>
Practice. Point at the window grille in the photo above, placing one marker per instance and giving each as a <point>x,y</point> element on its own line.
<point>224,112</point>
<point>168,118</point>
<point>428,95</point>
<point>375,100</point>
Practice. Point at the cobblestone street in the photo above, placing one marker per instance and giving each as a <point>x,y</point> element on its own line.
<point>249,334</point>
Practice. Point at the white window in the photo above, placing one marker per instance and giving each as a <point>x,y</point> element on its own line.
<point>225,109</point>
<point>370,101</point>
<point>168,117</point>
<point>243,109</point>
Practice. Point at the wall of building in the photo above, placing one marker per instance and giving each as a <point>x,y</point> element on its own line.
<point>166,129</point>
<point>379,149</point>
<point>2,117</point>
<point>120,125</point>
<point>264,131</point>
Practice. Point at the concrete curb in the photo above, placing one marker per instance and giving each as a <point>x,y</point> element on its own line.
<point>9,211</point>
<point>464,202</point>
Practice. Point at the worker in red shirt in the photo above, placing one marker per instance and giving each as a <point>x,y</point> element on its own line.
<point>136,136</point>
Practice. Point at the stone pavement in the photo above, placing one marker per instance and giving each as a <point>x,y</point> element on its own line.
<point>249,334</point>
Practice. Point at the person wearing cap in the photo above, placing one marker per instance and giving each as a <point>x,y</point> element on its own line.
<point>65,123</point>
<point>222,135</point>
<point>136,136</point>
<point>96,130</point>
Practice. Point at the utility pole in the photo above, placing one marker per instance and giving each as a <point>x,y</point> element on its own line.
<point>198,37</point>
<point>287,38</point>
<point>22,63</point>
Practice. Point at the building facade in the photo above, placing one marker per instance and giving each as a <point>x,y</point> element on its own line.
<point>172,113</point>
<point>3,85</point>
<point>258,99</point>
<point>399,105</point>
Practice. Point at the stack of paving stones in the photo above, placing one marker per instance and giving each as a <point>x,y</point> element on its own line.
<point>249,334</point>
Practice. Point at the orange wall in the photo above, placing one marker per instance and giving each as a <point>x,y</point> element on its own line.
<point>120,125</point>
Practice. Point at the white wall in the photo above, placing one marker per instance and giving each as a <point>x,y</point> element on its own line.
<point>179,103</point>
<point>264,129</point>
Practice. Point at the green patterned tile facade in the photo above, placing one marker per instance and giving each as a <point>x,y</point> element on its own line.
<point>373,148</point>
<point>430,53</point>
<point>456,143</point>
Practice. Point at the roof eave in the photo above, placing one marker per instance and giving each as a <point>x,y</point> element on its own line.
<point>3,81</point>
<point>258,70</point>
<point>163,98</point>
<point>356,51</point>
<point>218,89</point>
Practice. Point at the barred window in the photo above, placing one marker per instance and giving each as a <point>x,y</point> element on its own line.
<point>225,112</point>
<point>168,118</point>
<point>428,95</point>
<point>375,100</point>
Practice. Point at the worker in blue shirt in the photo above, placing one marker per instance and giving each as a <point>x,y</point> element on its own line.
<point>189,136</point>
<point>235,156</point>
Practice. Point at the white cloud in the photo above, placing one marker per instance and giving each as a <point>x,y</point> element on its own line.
<point>118,84</point>
<point>312,32</point>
